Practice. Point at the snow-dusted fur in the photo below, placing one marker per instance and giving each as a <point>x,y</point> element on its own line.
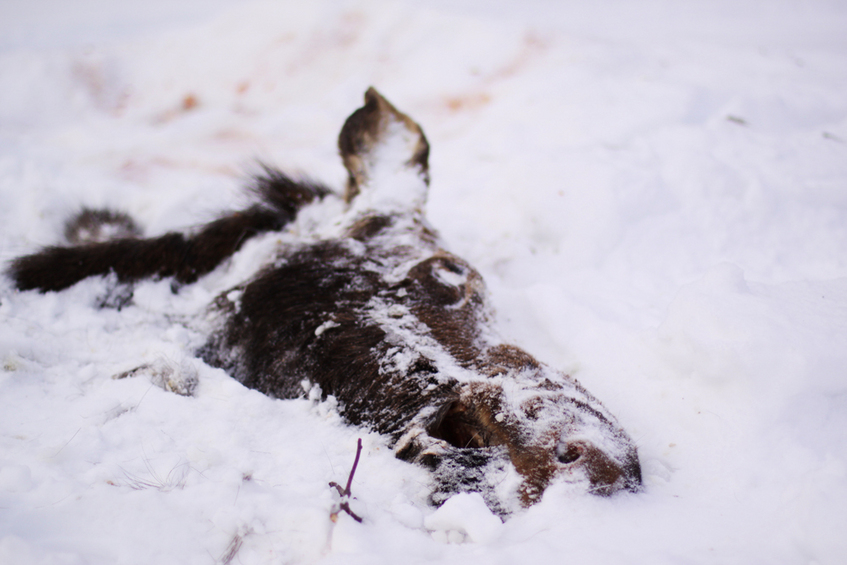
<point>375,312</point>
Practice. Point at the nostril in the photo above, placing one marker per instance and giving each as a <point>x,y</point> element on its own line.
<point>568,452</point>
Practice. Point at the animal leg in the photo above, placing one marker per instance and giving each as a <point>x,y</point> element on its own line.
<point>183,257</point>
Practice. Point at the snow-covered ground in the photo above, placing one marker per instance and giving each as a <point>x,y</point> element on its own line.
<point>655,192</point>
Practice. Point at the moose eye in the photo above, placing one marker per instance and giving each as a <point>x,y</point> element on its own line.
<point>453,267</point>
<point>442,281</point>
<point>450,273</point>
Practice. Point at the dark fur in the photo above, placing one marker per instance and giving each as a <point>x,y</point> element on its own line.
<point>183,257</point>
<point>406,354</point>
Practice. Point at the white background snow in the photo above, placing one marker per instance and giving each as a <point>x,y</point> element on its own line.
<point>655,192</point>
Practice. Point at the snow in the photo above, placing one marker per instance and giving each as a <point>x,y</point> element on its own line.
<point>655,193</point>
<point>464,514</point>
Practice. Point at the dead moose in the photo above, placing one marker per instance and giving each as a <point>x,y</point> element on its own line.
<point>374,311</point>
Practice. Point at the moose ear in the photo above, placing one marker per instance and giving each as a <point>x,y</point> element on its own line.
<point>377,142</point>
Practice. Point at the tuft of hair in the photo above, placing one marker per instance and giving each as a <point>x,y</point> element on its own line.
<point>284,194</point>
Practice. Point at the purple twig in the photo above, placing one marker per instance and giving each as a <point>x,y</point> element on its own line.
<point>345,493</point>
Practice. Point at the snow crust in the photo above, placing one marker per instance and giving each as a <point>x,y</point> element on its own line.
<point>655,193</point>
